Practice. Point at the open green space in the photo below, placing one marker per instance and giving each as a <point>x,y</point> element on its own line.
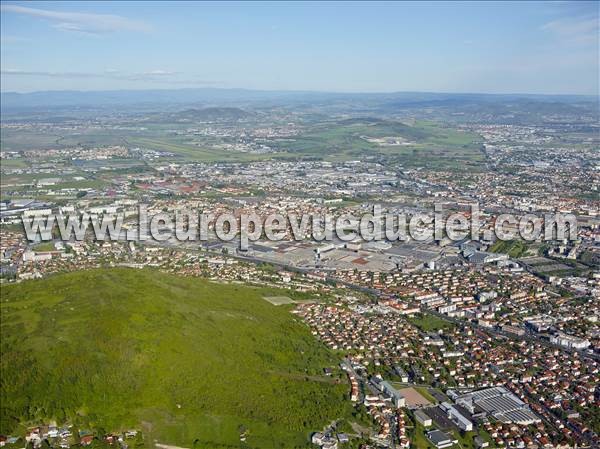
<point>514,248</point>
<point>27,139</point>
<point>426,144</point>
<point>13,163</point>
<point>199,153</point>
<point>187,361</point>
<point>43,247</point>
<point>429,323</point>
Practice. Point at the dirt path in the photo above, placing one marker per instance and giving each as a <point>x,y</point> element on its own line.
<point>167,446</point>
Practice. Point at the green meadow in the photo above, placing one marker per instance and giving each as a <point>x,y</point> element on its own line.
<point>426,144</point>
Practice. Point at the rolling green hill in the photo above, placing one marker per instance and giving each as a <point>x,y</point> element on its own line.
<point>427,144</point>
<point>187,361</point>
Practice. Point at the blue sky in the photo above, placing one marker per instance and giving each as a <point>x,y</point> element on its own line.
<point>520,47</point>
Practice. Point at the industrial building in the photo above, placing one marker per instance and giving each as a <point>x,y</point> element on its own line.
<point>500,403</point>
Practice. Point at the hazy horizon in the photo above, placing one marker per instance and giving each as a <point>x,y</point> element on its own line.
<point>548,48</point>
<point>315,91</point>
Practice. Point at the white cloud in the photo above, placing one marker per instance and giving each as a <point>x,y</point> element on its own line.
<point>108,73</point>
<point>151,76</point>
<point>17,72</point>
<point>159,73</point>
<point>86,23</point>
<point>579,30</point>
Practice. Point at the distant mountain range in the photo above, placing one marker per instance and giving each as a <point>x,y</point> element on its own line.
<point>212,113</point>
<point>214,96</point>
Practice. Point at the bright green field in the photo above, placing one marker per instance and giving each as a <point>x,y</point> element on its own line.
<point>185,360</point>
<point>430,145</point>
<point>514,248</point>
<point>192,152</point>
<point>429,323</point>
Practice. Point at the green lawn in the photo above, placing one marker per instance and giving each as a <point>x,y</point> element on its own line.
<point>429,323</point>
<point>43,247</point>
<point>418,439</point>
<point>185,360</point>
<point>84,184</point>
<point>514,248</point>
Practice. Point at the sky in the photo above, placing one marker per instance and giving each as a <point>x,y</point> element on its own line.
<point>508,47</point>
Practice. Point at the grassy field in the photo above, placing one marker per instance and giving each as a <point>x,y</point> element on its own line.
<point>442,149</point>
<point>16,140</point>
<point>10,183</point>
<point>44,246</point>
<point>427,144</point>
<point>13,163</point>
<point>192,152</point>
<point>429,323</point>
<point>514,248</point>
<point>187,361</point>
<point>31,139</point>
